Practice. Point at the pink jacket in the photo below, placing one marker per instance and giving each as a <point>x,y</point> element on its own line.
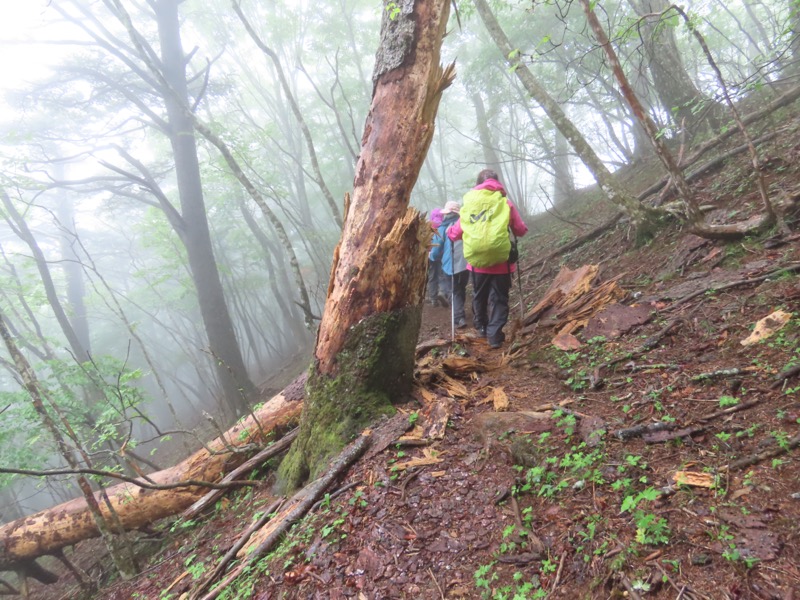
<point>515,222</point>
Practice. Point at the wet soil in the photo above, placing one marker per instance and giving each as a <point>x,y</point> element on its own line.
<point>578,497</point>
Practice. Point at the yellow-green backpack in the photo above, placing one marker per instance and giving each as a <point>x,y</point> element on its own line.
<point>484,220</point>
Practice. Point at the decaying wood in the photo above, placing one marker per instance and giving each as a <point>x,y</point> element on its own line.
<point>572,299</point>
<point>365,350</point>
<point>568,286</point>
<point>639,430</point>
<point>733,284</point>
<point>295,509</point>
<point>667,436</point>
<point>733,372</point>
<point>240,543</point>
<point>787,374</point>
<point>68,523</point>
<point>730,410</point>
<point>428,345</point>
<point>381,237</point>
<point>753,459</point>
<point>574,315</point>
<point>387,433</point>
<point>211,497</point>
<point>693,479</point>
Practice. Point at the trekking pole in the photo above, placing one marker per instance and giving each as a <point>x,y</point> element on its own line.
<point>452,292</point>
<point>519,285</point>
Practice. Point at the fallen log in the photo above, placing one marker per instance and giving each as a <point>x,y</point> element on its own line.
<point>50,530</point>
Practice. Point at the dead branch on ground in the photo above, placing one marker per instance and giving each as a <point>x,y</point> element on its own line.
<point>297,507</point>
<point>753,459</point>
<point>259,459</point>
<point>732,284</point>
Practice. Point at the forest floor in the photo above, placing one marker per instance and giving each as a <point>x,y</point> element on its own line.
<point>656,457</point>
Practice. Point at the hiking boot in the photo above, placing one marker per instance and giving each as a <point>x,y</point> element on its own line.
<point>498,341</point>
<point>481,331</point>
<point>461,324</point>
<point>444,301</point>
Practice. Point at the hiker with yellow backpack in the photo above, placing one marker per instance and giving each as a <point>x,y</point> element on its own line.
<point>486,218</point>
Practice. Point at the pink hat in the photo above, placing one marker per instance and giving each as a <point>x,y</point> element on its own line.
<point>436,216</point>
<point>451,207</point>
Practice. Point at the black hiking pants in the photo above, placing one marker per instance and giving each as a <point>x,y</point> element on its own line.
<point>490,303</point>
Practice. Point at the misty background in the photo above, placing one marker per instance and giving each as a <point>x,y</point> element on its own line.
<point>174,175</point>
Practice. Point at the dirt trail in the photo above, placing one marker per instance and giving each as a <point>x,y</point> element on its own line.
<point>607,473</point>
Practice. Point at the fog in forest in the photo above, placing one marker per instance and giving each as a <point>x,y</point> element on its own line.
<point>174,176</point>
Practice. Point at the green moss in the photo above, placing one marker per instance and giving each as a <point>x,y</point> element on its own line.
<point>374,370</point>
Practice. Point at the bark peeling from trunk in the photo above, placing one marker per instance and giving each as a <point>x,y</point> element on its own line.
<point>397,37</point>
<point>48,531</point>
<point>363,360</point>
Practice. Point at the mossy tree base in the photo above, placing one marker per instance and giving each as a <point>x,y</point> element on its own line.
<point>364,355</point>
<point>374,371</point>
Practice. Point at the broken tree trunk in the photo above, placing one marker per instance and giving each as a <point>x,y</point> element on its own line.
<point>49,530</point>
<point>364,357</point>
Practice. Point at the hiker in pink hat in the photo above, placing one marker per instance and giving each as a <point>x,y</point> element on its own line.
<point>454,266</point>
<point>434,288</point>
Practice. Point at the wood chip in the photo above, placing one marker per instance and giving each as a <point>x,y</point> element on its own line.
<point>429,457</point>
<point>566,341</point>
<point>767,326</point>
<point>694,479</point>
<point>500,400</point>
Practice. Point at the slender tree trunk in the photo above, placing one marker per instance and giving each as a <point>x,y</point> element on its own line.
<point>319,179</point>
<point>641,216</point>
<point>564,184</point>
<point>283,297</point>
<point>692,210</point>
<point>122,556</point>
<point>793,68</point>
<point>80,352</point>
<point>487,143</point>
<point>73,272</point>
<point>678,94</point>
<point>364,356</point>
<point>231,371</point>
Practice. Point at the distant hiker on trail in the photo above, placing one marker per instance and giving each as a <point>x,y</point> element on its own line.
<point>434,287</point>
<point>454,265</point>
<point>486,217</point>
